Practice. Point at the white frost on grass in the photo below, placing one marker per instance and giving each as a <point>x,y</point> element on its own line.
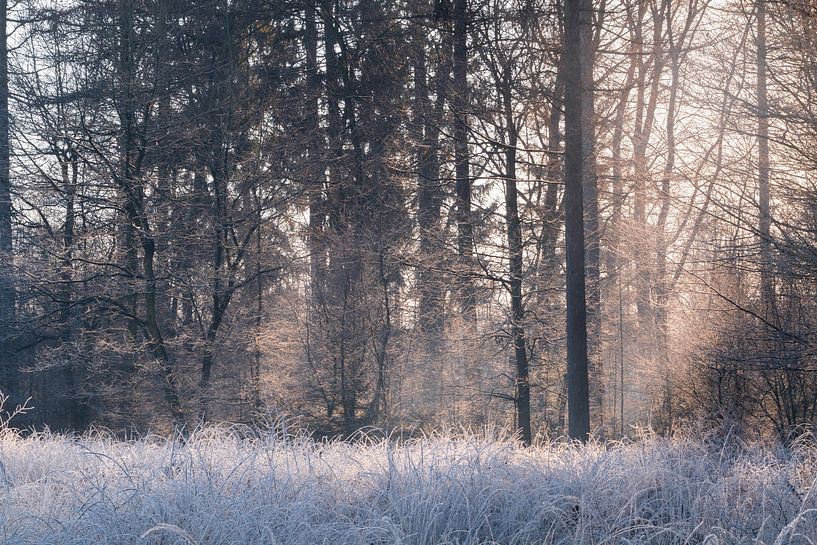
<point>222,488</point>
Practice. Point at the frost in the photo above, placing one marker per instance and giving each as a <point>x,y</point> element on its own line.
<point>220,487</point>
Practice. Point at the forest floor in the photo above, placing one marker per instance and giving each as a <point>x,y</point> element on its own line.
<point>222,488</point>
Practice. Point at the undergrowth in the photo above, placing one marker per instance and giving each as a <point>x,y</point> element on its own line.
<point>226,486</point>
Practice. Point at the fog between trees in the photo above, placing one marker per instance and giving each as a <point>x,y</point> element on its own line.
<point>556,218</point>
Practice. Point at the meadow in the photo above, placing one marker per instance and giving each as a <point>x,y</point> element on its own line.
<point>227,486</point>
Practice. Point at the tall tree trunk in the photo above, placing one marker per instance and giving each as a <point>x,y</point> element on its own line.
<point>613,262</point>
<point>577,16</point>
<point>126,235</point>
<point>460,98</point>
<point>255,371</point>
<point>549,278</point>
<point>222,282</point>
<point>127,118</point>
<point>329,333</point>
<point>427,119</point>
<point>549,274</point>
<point>645,117</point>
<point>8,372</point>
<point>765,220</point>
<point>661,281</point>
<point>317,212</point>
<point>552,213</point>
<point>515,250</point>
<point>590,197</point>
<point>165,171</point>
<point>71,408</point>
<point>156,342</point>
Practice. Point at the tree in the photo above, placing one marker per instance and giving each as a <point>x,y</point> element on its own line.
<point>460,106</point>
<point>7,291</point>
<point>765,220</point>
<point>576,55</point>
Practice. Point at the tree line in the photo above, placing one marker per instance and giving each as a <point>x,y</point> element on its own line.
<point>552,217</point>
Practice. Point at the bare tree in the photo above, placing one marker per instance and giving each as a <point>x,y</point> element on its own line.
<point>576,54</point>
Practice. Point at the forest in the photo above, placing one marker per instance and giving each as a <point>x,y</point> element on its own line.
<point>576,219</point>
<point>408,272</point>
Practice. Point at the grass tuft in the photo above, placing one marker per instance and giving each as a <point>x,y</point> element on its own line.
<point>226,486</point>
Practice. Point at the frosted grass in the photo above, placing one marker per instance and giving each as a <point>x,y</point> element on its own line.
<point>221,487</point>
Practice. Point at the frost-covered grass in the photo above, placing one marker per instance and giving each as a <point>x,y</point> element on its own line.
<point>222,488</point>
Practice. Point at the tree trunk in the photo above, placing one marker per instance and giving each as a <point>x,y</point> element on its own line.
<point>645,117</point>
<point>155,339</point>
<point>765,220</point>
<point>429,199</point>
<point>8,371</point>
<point>72,408</point>
<point>127,118</point>
<point>165,173</point>
<point>465,229</point>
<point>577,15</point>
<point>427,120</point>
<point>255,371</point>
<point>515,249</point>
<point>590,197</point>
<point>615,239</point>
<point>222,284</point>
<point>317,212</point>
